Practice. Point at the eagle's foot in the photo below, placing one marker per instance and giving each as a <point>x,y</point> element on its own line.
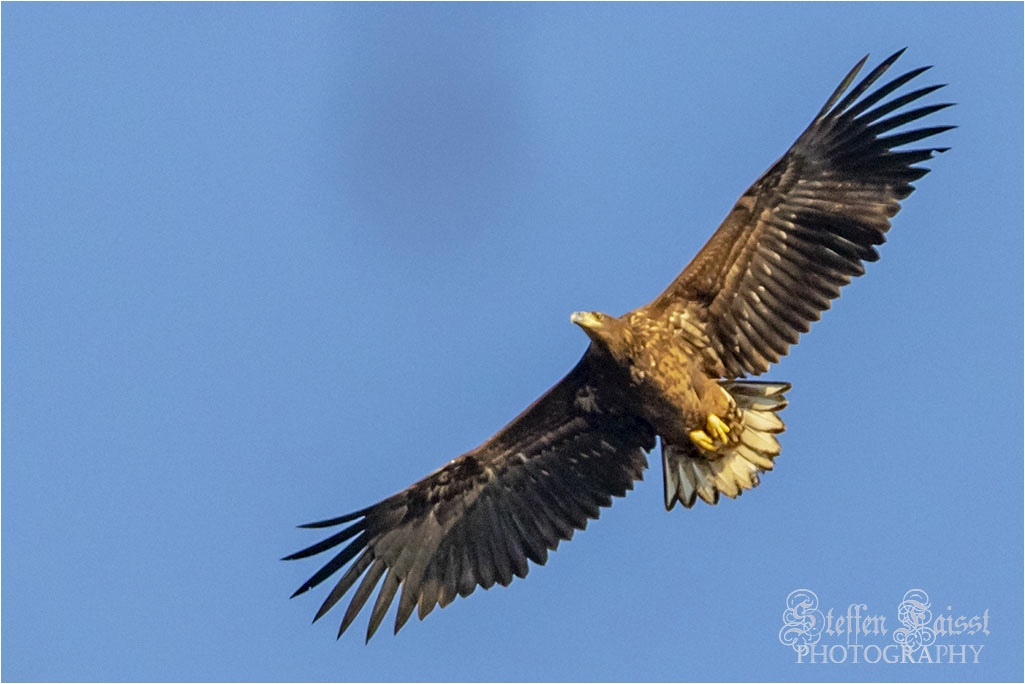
<point>716,428</point>
<point>714,435</point>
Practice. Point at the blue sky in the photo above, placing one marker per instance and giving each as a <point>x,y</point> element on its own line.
<point>266,264</point>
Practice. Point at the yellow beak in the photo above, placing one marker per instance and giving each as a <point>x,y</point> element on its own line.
<point>585,319</point>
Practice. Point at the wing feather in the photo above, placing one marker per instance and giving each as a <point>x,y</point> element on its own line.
<point>363,592</point>
<point>430,594</point>
<point>479,520</point>
<point>808,225</point>
<point>384,599</point>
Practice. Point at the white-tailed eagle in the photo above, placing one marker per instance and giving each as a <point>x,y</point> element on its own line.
<point>673,369</point>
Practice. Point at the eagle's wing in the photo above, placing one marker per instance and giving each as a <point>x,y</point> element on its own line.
<point>805,227</point>
<point>477,520</point>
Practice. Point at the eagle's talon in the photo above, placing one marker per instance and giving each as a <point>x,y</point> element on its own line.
<point>701,438</point>
<point>713,436</point>
<point>717,428</point>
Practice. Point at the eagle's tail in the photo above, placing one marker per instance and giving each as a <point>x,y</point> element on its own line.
<point>689,473</point>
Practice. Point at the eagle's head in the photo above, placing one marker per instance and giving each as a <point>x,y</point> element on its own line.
<point>613,334</point>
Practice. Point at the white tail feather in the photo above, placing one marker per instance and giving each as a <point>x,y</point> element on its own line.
<point>689,473</point>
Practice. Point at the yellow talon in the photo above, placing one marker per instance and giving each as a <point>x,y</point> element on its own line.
<point>713,436</point>
<point>701,438</point>
<point>717,428</point>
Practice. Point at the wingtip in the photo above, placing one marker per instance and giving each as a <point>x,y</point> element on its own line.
<point>896,55</point>
<point>342,628</point>
<point>331,522</point>
<point>323,610</point>
<point>944,129</point>
<point>893,57</point>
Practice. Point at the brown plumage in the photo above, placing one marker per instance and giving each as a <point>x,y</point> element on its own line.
<point>670,369</point>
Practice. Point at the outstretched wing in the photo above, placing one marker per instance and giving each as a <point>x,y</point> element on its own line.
<point>804,229</point>
<point>477,520</point>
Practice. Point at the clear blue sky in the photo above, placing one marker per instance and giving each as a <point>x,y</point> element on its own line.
<point>266,264</point>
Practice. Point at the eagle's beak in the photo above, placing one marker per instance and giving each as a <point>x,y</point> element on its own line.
<point>586,320</point>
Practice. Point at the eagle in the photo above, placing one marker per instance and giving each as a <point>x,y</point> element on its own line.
<point>674,370</point>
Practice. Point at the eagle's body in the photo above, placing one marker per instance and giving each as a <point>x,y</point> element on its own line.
<point>664,383</point>
<point>671,370</point>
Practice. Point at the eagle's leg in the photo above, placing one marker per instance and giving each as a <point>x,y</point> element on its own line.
<point>713,436</point>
